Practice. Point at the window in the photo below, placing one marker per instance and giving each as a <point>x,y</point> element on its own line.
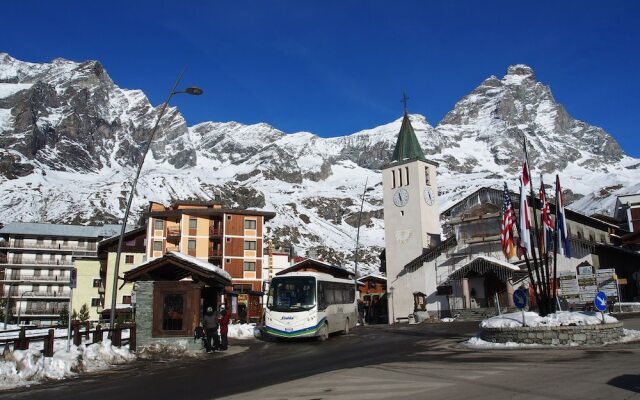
<point>192,244</point>
<point>193,223</point>
<point>400,175</point>
<point>602,239</point>
<point>38,258</point>
<point>249,244</point>
<point>173,310</point>
<point>36,273</point>
<point>96,282</point>
<point>427,180</point>
<point>95,302</point>
<point>157,245</point>
<point>250,224</point>
<point>393,177</point>
<point>128,259</point>
<point>126,299</point>
<point>406,170</point>
<point>81,243</point>
<point>158,224</point>
<point>228,261</point>
<point>249,266</point>
<point>372,284</point>
<point>35,288</point>
<point>242,288</point>
<point>40,240</point>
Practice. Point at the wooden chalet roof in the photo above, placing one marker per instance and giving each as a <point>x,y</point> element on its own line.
<point>482,265</point>
<point>318,266</point>
<point>175,267</point>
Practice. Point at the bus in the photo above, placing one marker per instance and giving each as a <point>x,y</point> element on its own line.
<point>307,304</point>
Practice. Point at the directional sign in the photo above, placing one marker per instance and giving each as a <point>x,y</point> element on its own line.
<point>600,301</point>
<point>520,298</point>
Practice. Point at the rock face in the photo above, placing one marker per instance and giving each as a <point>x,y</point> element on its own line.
<point>70,139</point>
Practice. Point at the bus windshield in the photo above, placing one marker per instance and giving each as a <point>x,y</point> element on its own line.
<point>292,293</point>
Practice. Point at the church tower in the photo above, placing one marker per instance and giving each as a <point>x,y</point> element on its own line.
<point>411,219</point>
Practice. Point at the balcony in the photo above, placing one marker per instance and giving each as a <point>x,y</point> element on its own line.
<point>215,252</point>
<point>173,231</point>
<point>20,261</point>
<point>49,246</point>
<point>36,278</point>
<point>40,295</point>
<point>213,231</point>
<point>41,312</point>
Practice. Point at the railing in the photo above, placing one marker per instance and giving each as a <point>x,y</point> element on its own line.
<point>215,252</point>
<point>41,278</point>
<point>21,261</point>
<point>173,232</point>
<point>46,311</point>
<point>22,341</point>
<point>215,231</point>
<point>28,294</point>
<point>46,246</point>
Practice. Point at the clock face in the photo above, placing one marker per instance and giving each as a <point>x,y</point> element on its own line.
<point>401,197</point>
<point>429,196</point>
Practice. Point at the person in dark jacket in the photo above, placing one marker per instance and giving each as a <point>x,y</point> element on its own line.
<point>224,328</point>
<point>210,322</point>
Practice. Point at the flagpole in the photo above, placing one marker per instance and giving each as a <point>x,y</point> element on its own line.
<point>544,292</point>
<point>555,245</point>
<point>545,209</point>
<point>526,257</point>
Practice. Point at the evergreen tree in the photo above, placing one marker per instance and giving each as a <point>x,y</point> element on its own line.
<point>64,316</point>
<point>84,313</point>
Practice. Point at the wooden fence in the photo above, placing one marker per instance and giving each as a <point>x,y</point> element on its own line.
<point>97,335</point>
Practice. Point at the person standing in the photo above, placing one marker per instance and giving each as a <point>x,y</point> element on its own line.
<point>224,328</point>
<point>211,326</point>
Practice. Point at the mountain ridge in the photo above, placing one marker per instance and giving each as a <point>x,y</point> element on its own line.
<point>70,139</point>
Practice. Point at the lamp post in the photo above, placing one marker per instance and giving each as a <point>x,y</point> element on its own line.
<point>195,91</point>
<point>355,271</point>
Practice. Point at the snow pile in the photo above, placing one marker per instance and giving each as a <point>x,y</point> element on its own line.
<point>630,335</point>
<point>26,367</point>
<point>241,331</point>
<point>563,318</point>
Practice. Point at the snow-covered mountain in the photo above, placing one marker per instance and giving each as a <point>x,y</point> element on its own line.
<point>70,139</point>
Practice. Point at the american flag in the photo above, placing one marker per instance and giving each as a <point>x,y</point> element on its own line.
<point>508,220</point>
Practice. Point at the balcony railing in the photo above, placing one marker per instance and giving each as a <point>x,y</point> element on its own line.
<point>46,311</point>
<point>36,278</point>
<point>48,246</point>
<point>29,294</point>
<point>215,231</point>
<point>20,261</point>
<point>173,232</point>
<point>215,253</point>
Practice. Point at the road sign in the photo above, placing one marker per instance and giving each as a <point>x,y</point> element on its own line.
<point>600,301</point>
<point>520,298</point>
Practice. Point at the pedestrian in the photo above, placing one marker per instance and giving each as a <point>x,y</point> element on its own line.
<point>211,327</point>
<point>360,312</point>
<point>224,328</point>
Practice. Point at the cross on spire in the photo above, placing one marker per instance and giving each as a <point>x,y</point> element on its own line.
<point>405,100</point>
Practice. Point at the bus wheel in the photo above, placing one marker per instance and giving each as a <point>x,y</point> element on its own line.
<point>346,327</point>
<point>323,334</point>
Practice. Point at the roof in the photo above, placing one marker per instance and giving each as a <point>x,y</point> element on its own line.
<point>175,266</point>
<point>62,230</point>
<point>484,264</point>
<point>407,145</point>
<point>212,211</point>
<point>114,239</point>
<point>333,270</point>
<point>374,277</point>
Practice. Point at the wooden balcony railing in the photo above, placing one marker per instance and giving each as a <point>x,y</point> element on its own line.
<point>215,252</point>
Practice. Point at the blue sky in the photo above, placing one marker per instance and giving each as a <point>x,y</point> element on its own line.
<point>334,67</point>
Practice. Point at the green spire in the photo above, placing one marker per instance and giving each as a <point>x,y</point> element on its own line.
<point>407,146</point>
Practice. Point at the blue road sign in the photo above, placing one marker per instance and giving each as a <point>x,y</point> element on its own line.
<point>520,298</point>
<point>600,301</point>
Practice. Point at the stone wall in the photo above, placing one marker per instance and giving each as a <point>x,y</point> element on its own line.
<point>144,322</point>
<point>555,335</point>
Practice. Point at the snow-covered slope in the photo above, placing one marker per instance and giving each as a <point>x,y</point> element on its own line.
<point>70,139</point>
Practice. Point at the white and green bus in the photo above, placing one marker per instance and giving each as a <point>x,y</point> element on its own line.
<point>304,304</point>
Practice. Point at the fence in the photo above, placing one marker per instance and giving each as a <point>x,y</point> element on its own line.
<point>96,336</point>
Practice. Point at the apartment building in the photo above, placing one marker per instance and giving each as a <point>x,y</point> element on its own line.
<point>38,259</point>
<point>230,239</point>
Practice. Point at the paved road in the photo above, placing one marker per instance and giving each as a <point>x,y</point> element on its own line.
<point>371,363</point>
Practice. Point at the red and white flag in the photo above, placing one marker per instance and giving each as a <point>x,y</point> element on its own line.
<point>525,221</point>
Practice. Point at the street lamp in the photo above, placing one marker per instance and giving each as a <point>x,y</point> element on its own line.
<point>364,193</point>
<point>194,91</point>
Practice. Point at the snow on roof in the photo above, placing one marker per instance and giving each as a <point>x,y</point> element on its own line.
<point>496,261</point>
<point>373,276</point>
<point>201,263</point>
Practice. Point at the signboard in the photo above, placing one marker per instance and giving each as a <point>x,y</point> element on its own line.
<point>600,301</point>
<point>606,279</point>
<point>520,298</point>
<point>569,287</point>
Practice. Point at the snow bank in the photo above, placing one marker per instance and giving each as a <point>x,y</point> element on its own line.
<point>629,335</point>
<point>241,331</point>
<point>27,367</point>
<point>562,318</point>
